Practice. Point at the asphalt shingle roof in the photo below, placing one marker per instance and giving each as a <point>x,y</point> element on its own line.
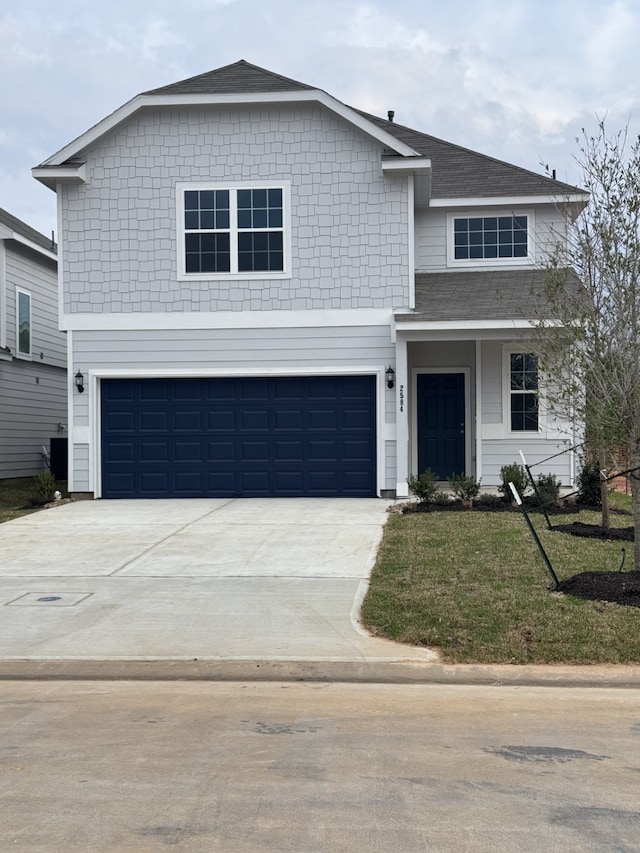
<point>485,295</point>
<point>457,172</point>
<point>238,78</point>
<point>20,227</point>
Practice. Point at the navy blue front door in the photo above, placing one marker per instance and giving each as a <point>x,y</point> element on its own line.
<point>251,437</point>
<point>441,423</point>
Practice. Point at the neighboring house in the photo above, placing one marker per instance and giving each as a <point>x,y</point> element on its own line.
<point>244,258</point>
<point>33,363</point>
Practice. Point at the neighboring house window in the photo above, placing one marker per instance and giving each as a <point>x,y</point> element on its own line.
<point>233,231</point>
<point>23,322</point>
<point>523,392</point>
<point>492,239</point>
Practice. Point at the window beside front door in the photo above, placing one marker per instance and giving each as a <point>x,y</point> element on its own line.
<point>523,392</point>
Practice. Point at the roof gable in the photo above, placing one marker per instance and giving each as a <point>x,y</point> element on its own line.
<point>238,78</point>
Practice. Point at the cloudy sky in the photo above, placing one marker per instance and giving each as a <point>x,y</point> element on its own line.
<point>515,80</point>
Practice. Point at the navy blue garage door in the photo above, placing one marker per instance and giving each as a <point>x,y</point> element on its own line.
<point>246,437</point>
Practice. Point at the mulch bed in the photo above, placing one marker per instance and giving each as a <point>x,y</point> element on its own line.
<point>616,587</point>
<point>595,531</point>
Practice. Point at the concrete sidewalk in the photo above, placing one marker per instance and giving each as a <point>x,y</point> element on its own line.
<point>178,580</point>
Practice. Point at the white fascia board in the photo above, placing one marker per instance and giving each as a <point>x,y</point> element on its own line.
<point>461,325</point>
<point>51,176</point>
<point>510,201</point>
<point>141,101</point>
<point>414,166</point>
<point>136,320</point>
<point>8,234</point>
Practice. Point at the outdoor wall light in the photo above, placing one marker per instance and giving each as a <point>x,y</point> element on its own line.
<point>79,379</point>
<point>391,376</point>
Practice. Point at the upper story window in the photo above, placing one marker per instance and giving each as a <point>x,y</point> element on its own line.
<point>523,392</point>
<point>233,231</point>
<point>488,240</point>
<point>23,323</point>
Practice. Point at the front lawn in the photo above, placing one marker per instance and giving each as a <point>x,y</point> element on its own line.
<point>473,586</point>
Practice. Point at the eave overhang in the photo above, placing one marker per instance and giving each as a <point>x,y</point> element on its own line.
<point>51,176</point>
<point>10,234</point>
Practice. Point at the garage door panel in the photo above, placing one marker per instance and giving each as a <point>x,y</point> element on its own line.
<point>121,422</point>
<point>227,437</point>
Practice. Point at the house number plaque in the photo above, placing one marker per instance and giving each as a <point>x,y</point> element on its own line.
<point>401,397</point>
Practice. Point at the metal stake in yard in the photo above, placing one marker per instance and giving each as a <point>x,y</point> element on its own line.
<point>535,489</point>
<point>536,539</point>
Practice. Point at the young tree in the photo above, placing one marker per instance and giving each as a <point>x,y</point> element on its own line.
<point>591,350</point>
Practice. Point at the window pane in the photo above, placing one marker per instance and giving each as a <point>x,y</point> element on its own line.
<point>275,218</point>
<point>460,226</point>
<point>206,219</point>
<point>259,198</point>
<point>461,253</point>
<point>490,223</point>
<point>259,218</point>
<point>244,218</point>
<point>275,198</point>
<point>475,225</point>
<point>191,220</point>
<point>506,223</point>
<point>191,200</point>
<point>24,323</point>
<point>244,199</point>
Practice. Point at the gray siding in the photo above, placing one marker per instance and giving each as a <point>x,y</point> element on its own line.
<point>431,235</point>
<point>38,275</point>
<point>33,401</point>
<point>349,222</point>
<point>33,393</point>
<point>495,454</point>
<point>250,351</point>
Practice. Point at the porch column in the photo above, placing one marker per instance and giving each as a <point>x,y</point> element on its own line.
<point>402,418</point>
<point>478,410</point>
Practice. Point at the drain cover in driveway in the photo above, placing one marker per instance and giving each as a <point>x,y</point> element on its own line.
<point>50,599</point>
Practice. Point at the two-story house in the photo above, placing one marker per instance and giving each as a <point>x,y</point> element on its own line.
<point>33,362</point>
<point>269,293</point>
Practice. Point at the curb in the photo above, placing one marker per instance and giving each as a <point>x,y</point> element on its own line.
<point>364,672</point>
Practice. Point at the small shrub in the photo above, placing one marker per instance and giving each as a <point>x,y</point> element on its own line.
<point>424,487</point>
<point>589,484</point>
<point>487,501</point>
<point>44,484</point>
<point>515,474</point>
<point>441,498</point>
<point>548,487</point>
<point>464,488</point>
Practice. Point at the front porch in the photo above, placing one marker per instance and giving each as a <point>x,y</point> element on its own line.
<point>467,396</point>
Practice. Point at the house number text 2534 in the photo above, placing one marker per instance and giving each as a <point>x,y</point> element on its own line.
<point>401,397</point>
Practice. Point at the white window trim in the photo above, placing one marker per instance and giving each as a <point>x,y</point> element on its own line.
<point>507,351</point>
<point>490,263</point>
<point>19,354</point>
<point>285,186</point>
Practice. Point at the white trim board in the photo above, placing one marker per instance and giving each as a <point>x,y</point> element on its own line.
<point>78,145</point>
<point>93,389</point>
<point>137,320</point>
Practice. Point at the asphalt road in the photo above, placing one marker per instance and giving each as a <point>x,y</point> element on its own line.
<point>193,766</point>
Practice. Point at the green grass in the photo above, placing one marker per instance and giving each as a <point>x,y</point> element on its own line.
<point>474,586</point>
<point>15,497</point>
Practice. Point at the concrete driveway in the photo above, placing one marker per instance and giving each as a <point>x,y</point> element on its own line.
<point>217,580</point>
